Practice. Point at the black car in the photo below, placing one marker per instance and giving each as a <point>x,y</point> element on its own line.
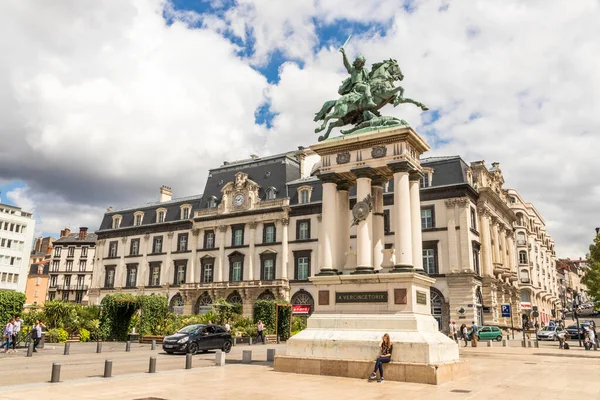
<point>194,338</point>
<point>574,333</point>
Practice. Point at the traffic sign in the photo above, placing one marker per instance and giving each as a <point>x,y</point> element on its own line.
<point>506,311</point>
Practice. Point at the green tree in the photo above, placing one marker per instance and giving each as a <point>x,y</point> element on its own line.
<point>592,275</point>
<point>11,304</point>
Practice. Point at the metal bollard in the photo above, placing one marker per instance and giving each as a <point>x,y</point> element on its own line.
<point>529,343</point>
<point>504,343</point>
<point>489,343</point>
<point>128,346</point>
<point>99,347</point>
<point>188,361</point>
<point>250,342</point>
<point>523,343</point>
<point>153,344</point>
<point>536,344</point>
<point>67,348</point>
<point>107,368</point>
<point>246,356</point>
<point>30,350</point>
<point>55,373</point>
<point>270,354</point>
<point>264,340</point>
<point>234,340</point>
<point>278,339</point>
<point>152,366</point>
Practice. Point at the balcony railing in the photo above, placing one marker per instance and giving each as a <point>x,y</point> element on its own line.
<point>72,287</point>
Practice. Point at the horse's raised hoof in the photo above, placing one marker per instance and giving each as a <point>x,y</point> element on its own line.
<point>424,108</point>
<point>321,138</point>
<point>317,130</point>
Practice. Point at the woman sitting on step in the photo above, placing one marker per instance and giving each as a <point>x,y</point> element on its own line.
<point>385,355</point>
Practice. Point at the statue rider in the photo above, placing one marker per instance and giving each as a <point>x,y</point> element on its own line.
<point>359,78</point>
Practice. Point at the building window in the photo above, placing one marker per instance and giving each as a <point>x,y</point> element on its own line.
<point>524,276</point>
<point>112,248</point>
<point>521,239</point>
<point>207,269</point>
<point>427,218</point>
<point>269,233</point>
<point>209,239</point>
<point>131,276</point>
<point>53,279</point>
<point>303,229</point>
<point>185,212</point>
<point>212,202</point>
<point>180,272</point>
<point>51,296</point>
<point>473,219</point>
<point>71,252</point>
<point>84,251</point>
<point>425,180</point>
<point>157,245</point>
<point>154,274</point>
<point>386,221</point>
<point>302,265</point>
<point>78,297</point>
<point>271,193</point>
<point>476,258</point>
<point>237,235</point>
<point>182,242</point>
<point>267,270</point>
<point>522,257</point>
<point>82,265</point>
<point>109,278</point>
<point>430,259</point>
<point>65,296</point>
<point>57,252</point>
<point>304,196</point>
<point>55,265</point>
<point>138,218</point>
<point>134,247</point>
<point>160,216</point>
<point>116,221</point>
<point>236,271</point>
<point>69,266</point>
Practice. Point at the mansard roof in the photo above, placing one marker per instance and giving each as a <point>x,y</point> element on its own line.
<point>73,238</point>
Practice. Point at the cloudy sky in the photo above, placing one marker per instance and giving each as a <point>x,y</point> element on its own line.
<point>103,102</point>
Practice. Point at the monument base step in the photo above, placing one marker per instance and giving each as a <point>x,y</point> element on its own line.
<point>432,374</point>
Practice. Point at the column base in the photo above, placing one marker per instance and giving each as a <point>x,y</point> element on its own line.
<point>363,271</point>
<point>403,268</point>
<point>327,272</point>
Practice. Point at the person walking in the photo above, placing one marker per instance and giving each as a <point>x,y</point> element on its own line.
<point>7,335</point>
<point>16,332</point>
<point>227,326</point>
<point>453,331</point>
<point>465,334</point>
<point>259,331</point>
<point>36,334</point>
<point>474,334</point>
<point>385,355</point>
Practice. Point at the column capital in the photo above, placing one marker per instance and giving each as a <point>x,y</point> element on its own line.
<point>379,180</point>
<point>329,177</point>
<point>170,234</point>
<point>319,217</point>
<point>343,185</point>
<point>252,225</point>
<point>415,175</point>
<point>450,203</point>
<point>365,172</point>
<point>195,232</point>
<point>401,166</point>
<point>285,221</point>
<point>222,228</point>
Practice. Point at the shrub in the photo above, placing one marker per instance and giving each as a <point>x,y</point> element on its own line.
<point>298,324</point>
<point>84,335</point>
<point>57,335</point>
<point>11,304</point>
<point>266,311</point>
<point>284,315</point>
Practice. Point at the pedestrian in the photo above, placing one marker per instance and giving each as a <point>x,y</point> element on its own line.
<point>36,334</point>
<point>453,331</point>
<point>551,323</point>
<point>590,341</point>
<point>561,335</point>
<point>227,326</point>
<point>7,335</point>
<point>465,334</point>
<point>16,331</point>
<point>385,355</point>
<point>474,334</point>
<point>259,331</point>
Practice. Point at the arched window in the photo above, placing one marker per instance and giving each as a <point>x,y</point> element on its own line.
<point>235,298</point>
<point>266,295</point>
<point>271,193</point>
<point>479,305</point>
<point>176,304</point>
<point>304,299</point>
<point>116,221</point>
<point>437,306</point>
<point>524,276</point>
<point>203,304</point>
<point>161,215</point>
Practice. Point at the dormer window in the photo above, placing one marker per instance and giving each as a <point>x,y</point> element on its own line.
<point>186,211</point>
<point>271,193</point>
<point>116,221</point>
<point>138,218</point>
<point>304,193</point>
<point>161,215</point>
<point>212,202</point>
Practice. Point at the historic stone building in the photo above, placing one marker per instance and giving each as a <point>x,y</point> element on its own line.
<point>254,233</point>
<point>71,266</point>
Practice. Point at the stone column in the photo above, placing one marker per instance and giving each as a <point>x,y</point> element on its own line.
<point>378,221</point>
<point>328,225</point>
<point>364,228</point>
<point>402,218</point>
<point>452,241</point>
<point>221,264</point>
<point>285,222</point>
<point>504,242</point>
<point>343,223</point>
<point>415,220</point>
<point>191,273</point>
<point>496,250</point>
<point>512,262</point>
<point>252,232</point>
<point>486,242</point>
<point>142,274</point>
<point>121,269</point>
<point>166,271</point>
<point>98,267</point>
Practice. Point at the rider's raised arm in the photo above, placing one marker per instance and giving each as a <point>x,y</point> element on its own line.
<point>346,62</point>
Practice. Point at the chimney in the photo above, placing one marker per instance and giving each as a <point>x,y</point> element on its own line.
<point>166,194</point>
<point>49,249</point>
<point>82,232</point>
<point>65,232</point>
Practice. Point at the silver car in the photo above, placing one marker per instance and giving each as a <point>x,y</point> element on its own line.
<point>549,333</point>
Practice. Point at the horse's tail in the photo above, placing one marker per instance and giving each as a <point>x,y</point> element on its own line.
<point>324,110</point>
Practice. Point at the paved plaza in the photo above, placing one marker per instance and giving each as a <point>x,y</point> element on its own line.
<point>496,372</point>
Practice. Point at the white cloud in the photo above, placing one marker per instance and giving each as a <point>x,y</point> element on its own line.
<point>103,103</point>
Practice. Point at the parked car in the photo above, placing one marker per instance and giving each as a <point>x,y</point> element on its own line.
<point>194,338</point>
<point>489,333</point>
<point>549,333</point>
<point>574,333</point>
